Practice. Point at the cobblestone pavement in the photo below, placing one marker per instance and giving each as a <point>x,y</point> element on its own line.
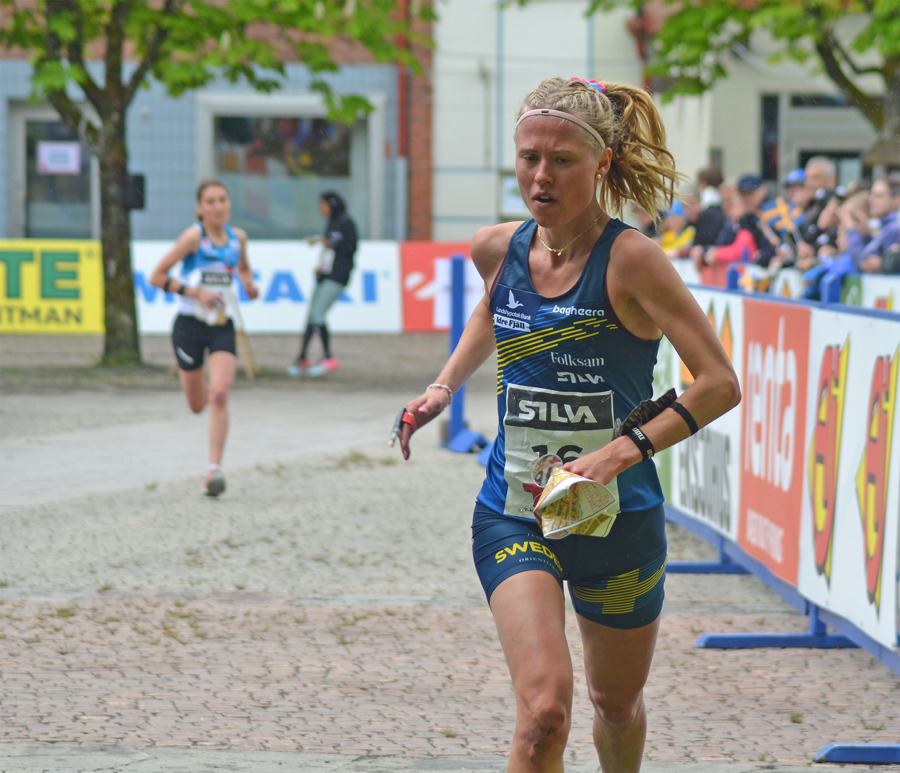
<point>323,614</point>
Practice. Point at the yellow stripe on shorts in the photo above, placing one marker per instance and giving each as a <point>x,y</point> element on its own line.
<point>621,592</point>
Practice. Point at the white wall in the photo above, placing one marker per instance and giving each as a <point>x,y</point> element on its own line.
<point>487,58</point>
<point>736,120</point>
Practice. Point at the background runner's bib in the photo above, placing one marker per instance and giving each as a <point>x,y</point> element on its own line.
<point>566,372</point>
<point>218,282</point>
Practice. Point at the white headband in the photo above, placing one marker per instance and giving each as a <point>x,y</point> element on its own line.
<point>565,116</point>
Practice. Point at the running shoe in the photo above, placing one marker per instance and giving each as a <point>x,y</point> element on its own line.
<point>298,368</point>
<point>216,485</point>
<point>328,365</point>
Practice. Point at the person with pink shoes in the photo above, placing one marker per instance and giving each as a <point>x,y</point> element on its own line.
<point>339,243</point>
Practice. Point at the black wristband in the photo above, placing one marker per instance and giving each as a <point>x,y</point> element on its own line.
<point>641,441</point>
<point>182,289</point>
<point>167,284</point>
<point>686,415</point>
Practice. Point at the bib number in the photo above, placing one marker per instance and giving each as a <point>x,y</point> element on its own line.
<point>541,423</point>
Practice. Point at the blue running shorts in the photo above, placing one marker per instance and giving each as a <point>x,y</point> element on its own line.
<point>617,580</point>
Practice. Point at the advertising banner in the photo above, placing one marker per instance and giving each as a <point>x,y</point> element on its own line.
<point>851,505</point>
<point>705,467</point>
<point>426,284</point>
<point>283,271</point>
<point>773,419</point>
<point>873,291</point>
<point>50,287</point>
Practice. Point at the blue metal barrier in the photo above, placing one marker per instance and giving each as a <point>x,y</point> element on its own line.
<point>817,636</point>
<point>873,753</point>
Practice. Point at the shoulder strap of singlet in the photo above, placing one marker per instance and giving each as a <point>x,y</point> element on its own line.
<point>524,232</point>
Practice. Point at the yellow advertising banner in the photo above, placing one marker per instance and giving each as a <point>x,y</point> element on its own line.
<point>50,287</point>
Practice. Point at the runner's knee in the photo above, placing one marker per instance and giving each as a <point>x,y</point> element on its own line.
<point>543,726</point>
<point>617,709</point>
<point>218,397</point>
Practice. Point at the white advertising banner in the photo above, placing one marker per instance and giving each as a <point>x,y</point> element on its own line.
<point>705,467</point>
<point>851,505</point>
<point>804,476</point>
<point>283,270</point>
<point>880,292</point>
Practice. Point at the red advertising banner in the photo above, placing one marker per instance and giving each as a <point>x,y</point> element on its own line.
<point>426,291</point>
<point>773,418</point>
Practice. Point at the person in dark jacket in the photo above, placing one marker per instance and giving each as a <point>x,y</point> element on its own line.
<point>339,244</point>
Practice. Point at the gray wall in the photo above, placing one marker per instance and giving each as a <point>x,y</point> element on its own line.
<point>162,139</point>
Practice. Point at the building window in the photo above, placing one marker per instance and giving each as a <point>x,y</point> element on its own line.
<point>818,100</point>
<point>275,167</point>
<point>285,146</point>
<point>769,138</point>
<point>278,154</point>
<point>58,182</point>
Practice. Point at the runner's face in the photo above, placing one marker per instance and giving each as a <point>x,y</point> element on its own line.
<point>214,206</point>
<point>556,168</point>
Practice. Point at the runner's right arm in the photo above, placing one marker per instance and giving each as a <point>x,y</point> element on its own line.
<point>186,244</point>
<point>476,344</point>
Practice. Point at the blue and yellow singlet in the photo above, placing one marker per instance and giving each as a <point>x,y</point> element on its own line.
<point>566,373</point>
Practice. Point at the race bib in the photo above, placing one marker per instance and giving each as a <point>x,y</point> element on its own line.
<point>218,282</point>
<point>539,422</point>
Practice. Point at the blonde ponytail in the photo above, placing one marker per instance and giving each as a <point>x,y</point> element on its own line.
<point>625,117</point>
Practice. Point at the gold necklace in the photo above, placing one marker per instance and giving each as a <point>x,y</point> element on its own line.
<point>560,250</point>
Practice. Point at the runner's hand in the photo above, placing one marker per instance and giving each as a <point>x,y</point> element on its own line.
<point>421,410</point>
<point>209,299</point>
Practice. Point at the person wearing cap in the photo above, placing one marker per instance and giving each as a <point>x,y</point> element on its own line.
<point>339,243</point>
<point>749,240</point>
<point>575,305</point>
<point>795,178</point>
<point>676,234</point>
<point>784,215</point>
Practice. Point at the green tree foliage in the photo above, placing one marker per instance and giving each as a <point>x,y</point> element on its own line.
<point>90,57</point>
<point>855,43</point>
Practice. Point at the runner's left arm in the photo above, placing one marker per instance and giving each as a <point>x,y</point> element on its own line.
<point>243,267</point>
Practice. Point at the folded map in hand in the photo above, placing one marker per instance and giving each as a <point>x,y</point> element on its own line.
<point>572,504</point>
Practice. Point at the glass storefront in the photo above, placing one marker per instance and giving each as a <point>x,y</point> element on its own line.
<point>57,182</point>
<point>275,167</point>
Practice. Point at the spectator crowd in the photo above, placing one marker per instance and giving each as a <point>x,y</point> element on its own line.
<point>810,224</point>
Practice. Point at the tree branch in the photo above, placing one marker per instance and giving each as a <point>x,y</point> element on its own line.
<point>71,113</point>
<point>154,45</point>
<point>75,55</point>
<point>869,106</point>
<point>115,49</point>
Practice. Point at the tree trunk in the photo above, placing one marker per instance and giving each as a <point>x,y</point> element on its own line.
<point>122,345</point>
